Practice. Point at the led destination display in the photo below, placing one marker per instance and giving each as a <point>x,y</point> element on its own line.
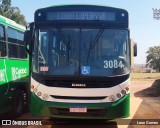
<point>83,15</point>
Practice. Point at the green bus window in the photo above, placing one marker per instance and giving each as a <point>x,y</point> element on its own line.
<point>2,43</point>
<point>13,50</point>
<point>16,44</point>
<point>12,36</point>
<point>1,33</point>
<point>22,52</point>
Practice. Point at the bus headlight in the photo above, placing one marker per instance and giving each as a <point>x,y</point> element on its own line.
<point>112,98</point>
<point>123,92</point>
<point>39,94</point>
<point>119,95</point>
<point>45,97</point>
<point>35,90</point>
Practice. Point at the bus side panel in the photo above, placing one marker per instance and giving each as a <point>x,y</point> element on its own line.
<point>7,83</point>
<point>4,104</point>
<point>4,86</point>
<point>17,72</point>
<point>15,76</point>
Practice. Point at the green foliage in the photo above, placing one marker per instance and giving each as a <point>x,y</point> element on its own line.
<point>12,13</point>
<point>153,57</point>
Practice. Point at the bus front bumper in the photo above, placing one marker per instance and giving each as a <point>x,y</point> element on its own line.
<point>118,109</point>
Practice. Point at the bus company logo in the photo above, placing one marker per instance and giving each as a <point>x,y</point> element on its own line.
<point>156,13</point>
<point>78,85</point>
<point>2,75</point>
<point>18,72</point>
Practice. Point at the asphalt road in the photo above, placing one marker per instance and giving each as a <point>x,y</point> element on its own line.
<point>144,107</point>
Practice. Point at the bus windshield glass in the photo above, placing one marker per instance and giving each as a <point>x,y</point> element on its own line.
<point>81,52</point>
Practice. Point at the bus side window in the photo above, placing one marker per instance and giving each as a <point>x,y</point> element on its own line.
<point>16,44</point>
<point>22,54</point>
<point>2,43</point>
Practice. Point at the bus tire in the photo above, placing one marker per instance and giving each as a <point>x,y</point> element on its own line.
<point>18,103</point>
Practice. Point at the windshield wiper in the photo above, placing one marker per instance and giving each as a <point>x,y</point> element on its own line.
<point>63,38</point>
<point>67,43</point>
<point>92,44</point>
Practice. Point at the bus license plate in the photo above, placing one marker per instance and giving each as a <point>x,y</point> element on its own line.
<point>78,109</point>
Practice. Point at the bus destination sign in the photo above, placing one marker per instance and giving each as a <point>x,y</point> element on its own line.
<point>81,15</point>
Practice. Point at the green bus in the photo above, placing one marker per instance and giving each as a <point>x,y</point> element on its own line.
<point>80,62</point>
<point>14,67</point>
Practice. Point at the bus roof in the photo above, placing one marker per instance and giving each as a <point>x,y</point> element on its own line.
<point>11,23</point>
<point>93,5</point>
<point>73,14</point>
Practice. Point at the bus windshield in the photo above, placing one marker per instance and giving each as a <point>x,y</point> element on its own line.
<point>81,52</point>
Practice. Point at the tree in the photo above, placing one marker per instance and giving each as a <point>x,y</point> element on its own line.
<point>153,57</point>
<point>5,5</point>
<point>11,12</point>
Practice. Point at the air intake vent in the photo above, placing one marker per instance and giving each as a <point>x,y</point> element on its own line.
<point>78,98</point>
<point>88,84</point>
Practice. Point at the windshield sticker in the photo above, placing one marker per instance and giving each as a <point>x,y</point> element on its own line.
<point>2,75</point>
<point>113,64</point>
<point>44,69</point>
<point>85,70</point>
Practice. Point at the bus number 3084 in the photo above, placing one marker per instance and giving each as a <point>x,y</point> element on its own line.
<point>113,64</point>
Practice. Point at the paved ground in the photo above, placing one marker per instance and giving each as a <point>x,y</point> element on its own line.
<point>144,91</point>
<point>144,105</point>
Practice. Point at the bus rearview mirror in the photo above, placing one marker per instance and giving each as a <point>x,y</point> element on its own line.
<point>135,49</point>
<point>27,40</point>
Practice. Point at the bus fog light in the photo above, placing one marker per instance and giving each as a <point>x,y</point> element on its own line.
<point>119,95</point>
<point>39,94</point>
<point>45,97</point>
<point>35,90</point>
<point>112,98</point>
<point>123,92</point>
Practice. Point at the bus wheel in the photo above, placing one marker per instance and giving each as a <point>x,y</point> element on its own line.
<point>18,103</point>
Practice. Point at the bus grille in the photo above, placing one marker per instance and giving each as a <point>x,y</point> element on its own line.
<point>78,98</point>
<point>68,83</point>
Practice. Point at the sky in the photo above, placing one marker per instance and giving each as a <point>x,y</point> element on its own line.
<point>144,29</point>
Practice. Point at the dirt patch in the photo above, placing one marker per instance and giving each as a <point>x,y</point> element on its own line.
<point>156,85</point>
<point>151,91</point>
<point>148,92</point>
